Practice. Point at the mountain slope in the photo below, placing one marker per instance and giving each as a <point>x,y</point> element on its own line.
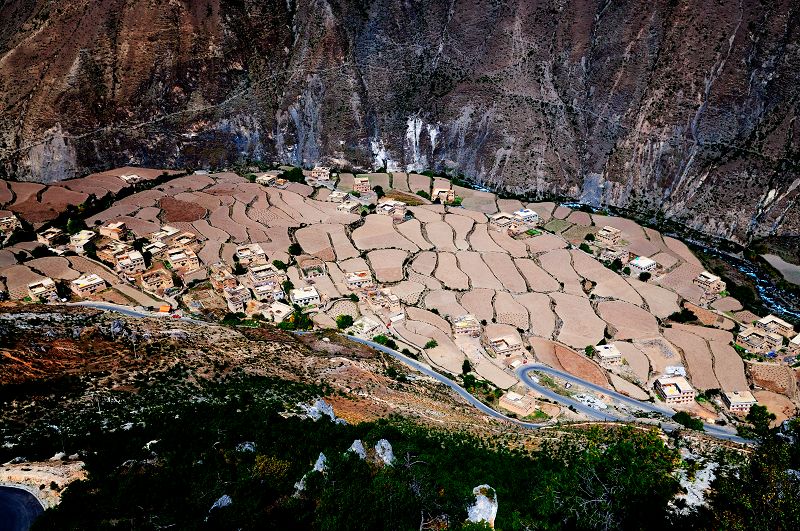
<point>684,109</point>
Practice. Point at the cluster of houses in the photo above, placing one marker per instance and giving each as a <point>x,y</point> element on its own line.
<point>767,336</point>
<point>516,223</point>
<point>8,224</point>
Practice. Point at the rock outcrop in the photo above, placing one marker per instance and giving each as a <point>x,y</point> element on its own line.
<point>675,109</point>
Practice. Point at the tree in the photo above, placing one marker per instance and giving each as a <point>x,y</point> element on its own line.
<point>626,270</point>
<point>616,265</point>
<point>355,193</point>
<point>431,344</point>
<point>589,350</point>
<point>589,237</point>
<point>760,417</point>
<point>344,321</point>
<point>287,286</point>
<point>280,265</point>
<point>353,297</point>
<point>685,419</point>
<point>295,175</point>
<point>75,225</point>
<point>295,249</point>
<point>466,367</point>
<point>423,194</point>
<point>683,316</point>
<point>238,269</point>
<point>644,276</point>
<point>378,189</point>
<point>585,248</point>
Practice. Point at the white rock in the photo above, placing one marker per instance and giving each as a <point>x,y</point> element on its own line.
<point>384,451</point>
<point>485,507</point>
<point>358,448</point>
<point>223,501</point>
<point>320,409</point>
<point>320,465</point>
<point>58,457</point>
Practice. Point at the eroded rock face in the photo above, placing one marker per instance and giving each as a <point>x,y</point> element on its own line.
<point>682,109</point>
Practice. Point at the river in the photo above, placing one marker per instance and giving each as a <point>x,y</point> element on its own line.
<point>18,509</point>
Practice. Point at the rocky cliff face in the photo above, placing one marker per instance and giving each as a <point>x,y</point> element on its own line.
<point>683,108</point>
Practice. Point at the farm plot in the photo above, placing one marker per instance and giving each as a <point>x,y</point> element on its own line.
<point>178,210</point>
<point>561,212</point>
<point>542,318</point>
<point>566,359</point>
<point>17,279</point>
<point>387,264</point>
<point>544,242</point>
<point>509,205</point>
<point>477,217</point>
<point>697,355</point>
<point>412,230</point>
<point>400,181</point>
<point>537,278</point>
<point>445,302</point>
<point>782,407</point>
<point>417,182</point>
<point>149,214</point>
<point>209,254</point>
<point>112,212</point>
<point>580,218</point>
<point>481,242</point>
<point>408,291</point>
<point>579,324</point>
<point>660,352</point>
<point>475,268</point>
<point>608,283</point>
<point>86,266</point>
<point>727,304</point>
<point>660,302</point>
<point>425,215</point>
<point>728,367</point>
<point>139,227</point>
<point>315,241</point>
<point>446,354</point>
<point>461,226</point>
<point>636,360</point>
<point>545,210</point>
<point>627,388</point>
<point>142,199</point>
<point>680,248</point>
<point>378,233</point>
<point>425,316</point>
<point>481,202</point>
<point>504,269</point>
<point>515,248</point>
<point>207,231</point>
<point>509,311</point>
<point>424,263</point>
<point>478,302</point>
<point>449,274</point>
<point>629,321</point>
<point>559,264</point>
<point>441,235</point>
<point>55,267</point>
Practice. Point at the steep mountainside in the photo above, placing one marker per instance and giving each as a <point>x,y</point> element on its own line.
<point>683,108</point>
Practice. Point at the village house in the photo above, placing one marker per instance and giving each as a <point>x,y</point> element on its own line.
<point>776,325</point>
<point>44,289</point>
<point>156,280</point>
<point>609,236</point>
<point>80,240</point>
<point>222,277</point>
<point>156,249</point>
<point>710,284</point>
<point>361,184</point>
<point>391,207</point>
<point>674,390</point>
<point>609,255</point>
<point>130,262</point>
<point>281,183</point>
<point>165,235</point>
<point>277,312</point>
<point>131,179</point>
<point>466,325</point>
<point>237,298</point>
<point>251,254</point>
<point>443,195</point>
<point>182,259</point>
<point>321,173</point>
<point>185,239</point>
<point>86,285</point>
<point>116,230</point>
<point>271,291</point>
<point>794,345</point>
<point>8,222</point>
<point>267,178</point>
<point>501,221</point>
<point>336,196</point>
<point>50,237</point>
<point>520,405</point>
<point>366,328</point>
<point>504,345</point>
<point>359,279</point>
<point>739,402</point>
<point>306,296</point>
<point>263,274</point>
<point>108,250</point>
<point>758,340</point>
<point>311,267</point>
<point>382,299</point>
<point>348,206</point>
<point>526,216</point>
<point>608,355</point>
<point>642,264</point>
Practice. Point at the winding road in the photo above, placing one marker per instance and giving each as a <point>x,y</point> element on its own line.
<point>523,373</point>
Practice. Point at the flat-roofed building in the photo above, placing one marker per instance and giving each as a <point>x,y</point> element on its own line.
<point>277,311</point>
<point>80,240</point>
<point>156,249</point>
<point>156,280</point>
<point>609,255</point>
<point>237,298</point>
<point>349,206</point>
<point>642,264</point>
<point>520,405</point>
<point>466,325</point>
<point>108,250</point>
<point>270,291</point>
<point>710,284</point>
<point>759,341</point>
<point>359,279</point>
<point>527,216</point>
<point>776,325</point>
<point>267,178</point>
<point>182,259</point>
<point>116,230</point>
<point>608,354</point>
<point>383,300</point>
<point>130,262</point>
<point>251,254</point>
<point>222,277</point>
<point>306,296</point>
<point>321,173</point>
<point>674,390</point>
<point>501,221</point>
<point>165,235</point>
<point>281,183</point>
<point>86,285</point>
<point>609,236</point>
<point>262,274</point>
<point>8,222</point>
<point>443,195</point>
<point>50,237</point>
<point>131,178</point>
<point>185,239</point>
<point>336,196</point>
<point>391,207</point>
<point>504,344</point>
<point>794,345</point>
<point>44,289</point>
<point>311,267</point>
<point>366,328</point>
<point>739,402</point>
<point>361,184</point>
